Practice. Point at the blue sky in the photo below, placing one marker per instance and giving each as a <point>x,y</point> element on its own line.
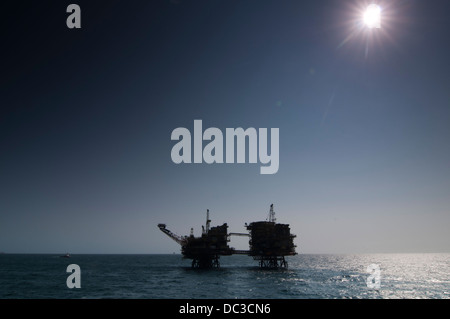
<point>87,116</point>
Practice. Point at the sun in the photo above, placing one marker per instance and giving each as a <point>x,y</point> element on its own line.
<point>371,25</point>
<point>372,16</point>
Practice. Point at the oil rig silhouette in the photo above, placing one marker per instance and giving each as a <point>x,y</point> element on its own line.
<point>269,243</point>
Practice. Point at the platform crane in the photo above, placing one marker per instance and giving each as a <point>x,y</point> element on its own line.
<point>179,239</point>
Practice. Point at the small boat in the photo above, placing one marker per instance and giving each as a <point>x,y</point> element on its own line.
<point>65,256</point>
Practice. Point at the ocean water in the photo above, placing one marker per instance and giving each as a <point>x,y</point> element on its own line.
<point>401,276</point>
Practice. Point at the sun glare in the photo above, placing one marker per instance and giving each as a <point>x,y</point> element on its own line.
<point>372,16</point>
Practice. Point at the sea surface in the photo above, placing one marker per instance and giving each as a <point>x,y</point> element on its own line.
<point>43,276</point>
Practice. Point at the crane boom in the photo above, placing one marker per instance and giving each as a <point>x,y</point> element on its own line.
<point>180,240</point>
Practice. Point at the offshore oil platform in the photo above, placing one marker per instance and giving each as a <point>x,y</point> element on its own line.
<point>269,243</point>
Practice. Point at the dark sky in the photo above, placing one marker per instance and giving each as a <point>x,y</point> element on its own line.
<point>87,114</point>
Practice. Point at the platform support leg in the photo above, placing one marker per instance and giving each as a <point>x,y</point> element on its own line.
<point>203,262</point>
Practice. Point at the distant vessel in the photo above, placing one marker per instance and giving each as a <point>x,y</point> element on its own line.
<point>65,256</point>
